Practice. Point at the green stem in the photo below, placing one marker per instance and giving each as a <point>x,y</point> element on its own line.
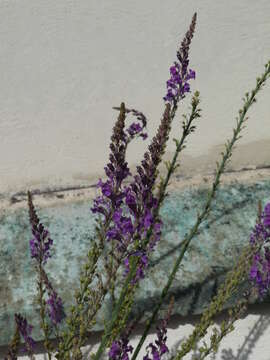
<point>201,217</point>
<point>179,147</point>
<point>107,334</point>
<point>133,269</point>
<point>44,326</point>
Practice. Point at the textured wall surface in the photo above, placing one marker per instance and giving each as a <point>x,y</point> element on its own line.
<point>65,63</point>
<point>211,254</point>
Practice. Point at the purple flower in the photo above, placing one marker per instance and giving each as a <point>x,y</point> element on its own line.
<point>130,200</point>
<point>40,244</point>
<point>178,84</point>
<point>148,219</point>
<point>117,169</point>
<point>106,187</point>
<point>122,229</point>
<point>120,349</point>
<point>259,272</point>
<point>159,348</point>
<point>144,136</point>
<point>25,331</point>
<point>115,350</point>
<point>143,264</point>
<point>134,129</point>
<point>56,309</point>
<point>140,200</point>
<point>266,216</point>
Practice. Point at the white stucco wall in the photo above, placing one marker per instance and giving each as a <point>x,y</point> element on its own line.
<point>65,63</point>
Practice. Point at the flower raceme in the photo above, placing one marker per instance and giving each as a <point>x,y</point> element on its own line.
<point>25,330</point>
<point>140,201</point>
<point>159,348</point>
<point>40,249</point>
<point>55,307</point>
<point>132,210</point>
<point>117,168</point>
<point>178,83</point>
<point>141,205</point>
<point>260,269</point>
<point>40,244</point>
<point>139,195</point>
<point>140,198</point>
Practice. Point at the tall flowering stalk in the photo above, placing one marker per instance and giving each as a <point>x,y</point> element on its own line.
<point>140,199</point>
<point>140,192</point>
<point>178,83</point>
<point>248,101</point>
<point>40,248</point>
<point>242,271</point>
<point>107,206</point>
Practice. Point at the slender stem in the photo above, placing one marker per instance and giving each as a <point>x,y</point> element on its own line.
<point>203,215</point>
<point>179,147</point>
<point>130,276</point>
<point>226,328</point>
<point>44,326</point>
<point>133,269</point>
<point>116,310</point>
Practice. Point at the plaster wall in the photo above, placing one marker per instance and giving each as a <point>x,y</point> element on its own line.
<point>65,63</point>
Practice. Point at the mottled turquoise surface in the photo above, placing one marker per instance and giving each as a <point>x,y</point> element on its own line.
<point>204,266</point>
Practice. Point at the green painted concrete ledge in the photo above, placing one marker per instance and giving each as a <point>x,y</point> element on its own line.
<point>210,256</point>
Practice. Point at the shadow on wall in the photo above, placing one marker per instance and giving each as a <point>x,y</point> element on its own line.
<point>244,349</point>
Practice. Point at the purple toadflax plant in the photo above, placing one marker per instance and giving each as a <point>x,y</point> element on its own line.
<point>139,197</point>
<point>128,230</point>
<point>40,249</point>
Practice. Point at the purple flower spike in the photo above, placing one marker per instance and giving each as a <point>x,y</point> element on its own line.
<point>143,264</point>
<point>159,348</point>
<point>40,244</point>
<point>56,309</point>
<point>259,272</point>
<point>25,331</point>
<point>178,84</point>
<point>120,349</point>
<point>266,216</point>
<point>117,168</point>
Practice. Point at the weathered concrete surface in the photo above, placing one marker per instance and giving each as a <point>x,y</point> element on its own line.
<point>65,64</point>
<point>70,224</point>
